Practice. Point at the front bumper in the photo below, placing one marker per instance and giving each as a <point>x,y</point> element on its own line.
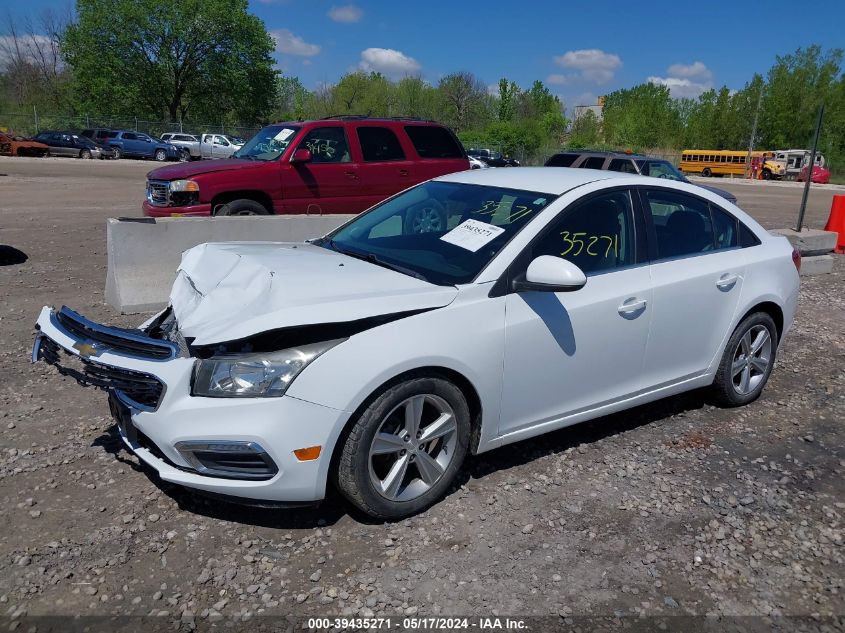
<point>196,210</point>
<point>278,425</point>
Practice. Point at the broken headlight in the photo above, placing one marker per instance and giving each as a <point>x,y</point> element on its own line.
<point>262,375</point>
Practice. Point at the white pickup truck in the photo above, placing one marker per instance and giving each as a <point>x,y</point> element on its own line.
<point>204,146</point>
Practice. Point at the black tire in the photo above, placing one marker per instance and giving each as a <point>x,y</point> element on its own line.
<point>85,153</point>
<point>352,476</point>
<point>117,152</point>
<point>160,155</point>
<point>767,175</point>
<point>706,172</point>
<point>184,156</point>
<point>242,207</point>
<point>724,389</point>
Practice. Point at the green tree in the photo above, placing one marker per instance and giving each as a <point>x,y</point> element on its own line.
<point>171,58</point>
<point>291,99</point>
<point>508,93</point>
<point>585,131</point>
<point>463,101</point>
<point>642,116</point>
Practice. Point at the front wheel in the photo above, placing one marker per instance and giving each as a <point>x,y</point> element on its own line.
<point>85,154</point>
<point>747,361</point>
<point>241,207</point>
<point>405,449</point>
<point>117,152</point>
<point>184,156</point>
<point>160,155</point>
<point>767,175</point>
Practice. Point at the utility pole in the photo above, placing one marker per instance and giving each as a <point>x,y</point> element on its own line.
<point>35,115</point>
<point>810,166</point>
<point>753,132</point>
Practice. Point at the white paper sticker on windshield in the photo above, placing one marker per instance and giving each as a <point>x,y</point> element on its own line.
<point>472,234</point>
<point>283,135</point>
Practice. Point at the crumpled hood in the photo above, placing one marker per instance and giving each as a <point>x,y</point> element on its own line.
<point>189,170</point>
<point>231,290</point>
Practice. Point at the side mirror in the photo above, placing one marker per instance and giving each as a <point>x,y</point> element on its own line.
<point>301,155</point>
<point>551,274</point>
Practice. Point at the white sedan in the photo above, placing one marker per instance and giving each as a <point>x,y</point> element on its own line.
<point>375,358</point>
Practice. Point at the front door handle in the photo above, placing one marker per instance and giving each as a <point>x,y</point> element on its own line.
<point>727,281</point>
<point>403,172</point>
<point>351,175</point>
<point>631,306</point>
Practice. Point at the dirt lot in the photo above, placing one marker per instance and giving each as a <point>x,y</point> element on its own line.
<point>676,508</point>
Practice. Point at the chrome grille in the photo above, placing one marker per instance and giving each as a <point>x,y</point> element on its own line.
<point>158,192</point>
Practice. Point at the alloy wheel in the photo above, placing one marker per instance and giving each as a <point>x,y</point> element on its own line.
<point>427,220</point>
<point>751,359</point>
<point>413,447</point>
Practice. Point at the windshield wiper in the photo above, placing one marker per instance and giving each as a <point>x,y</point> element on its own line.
<point>374,259</point>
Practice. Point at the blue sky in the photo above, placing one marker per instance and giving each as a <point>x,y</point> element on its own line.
<point>580,50</point>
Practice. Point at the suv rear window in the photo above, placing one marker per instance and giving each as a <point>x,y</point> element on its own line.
<point>432,141</point>
<point>593,162</point>
<point>379,143</point>
<point>561,160</point>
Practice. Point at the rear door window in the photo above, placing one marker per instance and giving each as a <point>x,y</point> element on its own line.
<point>379,144</point>
<point>129,136</point>
<point>625,165</point>
<point>433,141</point>
<point>561,160</point>
<point>593,162</point>
<point>682,223</point>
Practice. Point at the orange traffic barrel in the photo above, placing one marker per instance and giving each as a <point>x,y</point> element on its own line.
<point>836,222</point>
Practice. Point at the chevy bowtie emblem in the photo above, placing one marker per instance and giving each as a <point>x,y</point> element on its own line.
<point>86,349</point>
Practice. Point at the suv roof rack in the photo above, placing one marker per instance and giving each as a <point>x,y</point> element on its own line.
<point>358,117</point>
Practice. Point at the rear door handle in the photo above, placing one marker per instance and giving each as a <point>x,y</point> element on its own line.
<point>631,306</point>
<point>727,281</point>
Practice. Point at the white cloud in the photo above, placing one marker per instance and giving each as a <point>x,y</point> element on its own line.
<point>347,13</point>
<point>556,79</point>
<point>27,47</point>
<point>389,62</point>
<point>287,42</point>
<point>695,69</point>
<point>594,65</point>
<point>680,86</point>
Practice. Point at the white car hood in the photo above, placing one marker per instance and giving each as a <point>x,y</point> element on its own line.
<point>228,291</point>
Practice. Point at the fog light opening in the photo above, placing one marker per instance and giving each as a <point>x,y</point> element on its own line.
<point>229,459</point>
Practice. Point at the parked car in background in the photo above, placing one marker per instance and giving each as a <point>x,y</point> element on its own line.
<point>376,358</point>
<point>493,159</point>
<point>334,165</point>
<point>477,163</point>
<point>130,144</point>
<point>69,144</point>
<point>12,144</point>
<point>218,146</point>
<point>189,143</point>
<point>821,175</point>
<point>627,163</point>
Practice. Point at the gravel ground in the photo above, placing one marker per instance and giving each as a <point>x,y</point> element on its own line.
<point>675,508</point>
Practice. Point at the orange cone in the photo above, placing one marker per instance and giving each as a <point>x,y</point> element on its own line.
<point>836,222</point>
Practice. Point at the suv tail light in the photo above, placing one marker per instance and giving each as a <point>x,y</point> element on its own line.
<point>796,259</point>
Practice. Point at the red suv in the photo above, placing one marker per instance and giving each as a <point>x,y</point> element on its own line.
<point>334,165</point>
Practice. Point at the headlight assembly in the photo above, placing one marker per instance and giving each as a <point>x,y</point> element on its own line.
<point>263,375</point>
<point>184,185</point>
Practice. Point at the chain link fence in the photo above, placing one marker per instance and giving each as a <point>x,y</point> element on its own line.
<point>34,122</point>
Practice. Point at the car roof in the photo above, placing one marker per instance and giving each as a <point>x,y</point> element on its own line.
<point>552,180</point>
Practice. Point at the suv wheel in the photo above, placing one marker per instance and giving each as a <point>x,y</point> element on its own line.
<point>404,451</point>
<point>241,207</point>
<point>184,156</point>
<point>116,151</point>
<point>160,155</point>
<point>747,361</point>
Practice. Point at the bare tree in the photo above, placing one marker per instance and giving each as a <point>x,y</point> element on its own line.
<point>464,96</point>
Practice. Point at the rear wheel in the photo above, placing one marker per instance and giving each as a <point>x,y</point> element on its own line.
<point>404,451</point>
<point>706,172</point>
<point>184,156</point>
<point>117,152</point>
<point>241,207</point>
<point>747,361</point>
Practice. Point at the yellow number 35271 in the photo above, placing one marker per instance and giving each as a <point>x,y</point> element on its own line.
<point>582,242</point>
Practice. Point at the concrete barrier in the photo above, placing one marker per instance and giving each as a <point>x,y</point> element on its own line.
<point>143,253</point>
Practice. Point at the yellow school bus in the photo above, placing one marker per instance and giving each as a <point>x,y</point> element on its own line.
<point>717,162</point>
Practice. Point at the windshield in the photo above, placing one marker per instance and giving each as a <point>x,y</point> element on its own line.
<point>268,144</point>
<point>660,169</point>
<point>442,232</point>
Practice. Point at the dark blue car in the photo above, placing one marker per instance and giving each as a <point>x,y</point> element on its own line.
<point>128,144</point>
